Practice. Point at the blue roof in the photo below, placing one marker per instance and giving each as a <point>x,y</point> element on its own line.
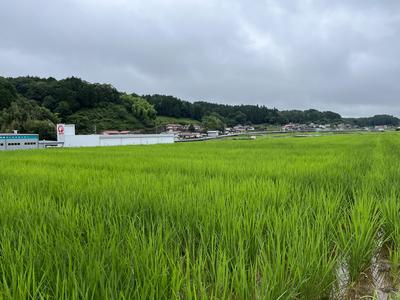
<point>19,137</point>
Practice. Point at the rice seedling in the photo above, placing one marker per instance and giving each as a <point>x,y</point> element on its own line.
<point>234,219</point>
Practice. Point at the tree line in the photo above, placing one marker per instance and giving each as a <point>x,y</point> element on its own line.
<point>33,104</point>
<point>237,114</point>
<point>374,121</point>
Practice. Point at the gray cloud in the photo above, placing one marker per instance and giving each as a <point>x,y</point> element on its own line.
<point>336,55</point>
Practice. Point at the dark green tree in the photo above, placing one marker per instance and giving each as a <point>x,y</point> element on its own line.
<point>28,117</point>
<point>63,109</point>
<point>140,108</point>
<point>213,122</point>
<point>8,93</point>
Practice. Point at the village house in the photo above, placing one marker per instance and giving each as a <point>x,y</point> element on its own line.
<point>115,132</point>
<point>174,127</point>
<point>189,135</point>
<point>196,127</point>
<point>242,128</point>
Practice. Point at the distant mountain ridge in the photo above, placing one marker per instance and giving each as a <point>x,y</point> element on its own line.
<point>33,104</point>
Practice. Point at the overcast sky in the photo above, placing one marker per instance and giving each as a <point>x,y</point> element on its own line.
<point>329,55</point>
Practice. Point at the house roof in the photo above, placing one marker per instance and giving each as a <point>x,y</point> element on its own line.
<point>110,132</point>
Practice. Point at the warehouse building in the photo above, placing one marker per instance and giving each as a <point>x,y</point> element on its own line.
<point>66,135</point>
<point>15,141</point>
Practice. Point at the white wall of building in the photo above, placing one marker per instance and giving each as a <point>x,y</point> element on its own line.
<point>110,142</point>
<point>81,141</point>
<point>136,139</point>
<point>212,133</point>
<point>65,130</point>
<point>66,134</point>
<point>116,140</point>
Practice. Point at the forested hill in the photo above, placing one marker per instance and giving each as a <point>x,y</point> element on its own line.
<point>32,104</point>
<point>254,114</point>
<point>237,114</point>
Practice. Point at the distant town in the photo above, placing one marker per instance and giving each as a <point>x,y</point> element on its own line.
<point>187,132</point>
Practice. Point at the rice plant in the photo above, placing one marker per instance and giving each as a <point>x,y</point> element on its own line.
<point>235,219</point>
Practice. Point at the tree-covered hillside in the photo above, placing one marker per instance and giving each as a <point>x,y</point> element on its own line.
<point>237,114</point>
<point>32,104</point>
<point>373,121</point>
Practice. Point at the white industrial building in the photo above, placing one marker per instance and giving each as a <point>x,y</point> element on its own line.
<point>15,141</point>
<point>66,134</point>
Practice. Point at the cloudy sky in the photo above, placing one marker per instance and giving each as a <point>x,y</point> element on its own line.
<point>329,55</point>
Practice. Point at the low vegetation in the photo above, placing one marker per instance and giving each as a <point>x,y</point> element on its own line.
<point>163,120</point>
<point>263,219</point>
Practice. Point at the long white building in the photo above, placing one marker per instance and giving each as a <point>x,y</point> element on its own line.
<point>15,141</point>
<point>66,134</point>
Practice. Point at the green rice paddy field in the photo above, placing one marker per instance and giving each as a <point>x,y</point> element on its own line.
<point>273,218</point>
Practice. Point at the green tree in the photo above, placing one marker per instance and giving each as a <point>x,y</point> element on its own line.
<point>49,102</point>
<point>7,93</point>
<point>141,109</point>
<point>63,109</point>
<point>213,122</point>
<point>238,118</point>
<point>27,116</point>
<point>45,128</point>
